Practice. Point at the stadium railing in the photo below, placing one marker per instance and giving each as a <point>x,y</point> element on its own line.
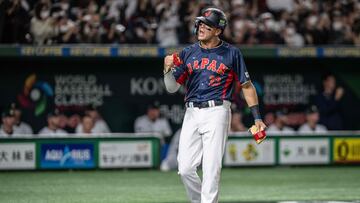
<point>128,150</point>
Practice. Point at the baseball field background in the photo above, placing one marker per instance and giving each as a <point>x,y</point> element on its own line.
<point>303,184</point>
<point>126,79</point>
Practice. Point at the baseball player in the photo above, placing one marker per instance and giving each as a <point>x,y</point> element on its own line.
<point>208,69</point>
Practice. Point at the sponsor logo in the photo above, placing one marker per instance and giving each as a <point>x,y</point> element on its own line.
<point>347,150</point>
<point>125,154</point>
<point>67,155</point>
<point>304,151</point>
<point>222,22</point>
<point>35,94</point>
<point>250,152</point>
<point>233,152</point>
<point>207,13</point>
<point>80,90</point>
<point>17,156</point>
<point>246,152</point>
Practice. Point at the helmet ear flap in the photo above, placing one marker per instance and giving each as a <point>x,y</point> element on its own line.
<point>196,27</point>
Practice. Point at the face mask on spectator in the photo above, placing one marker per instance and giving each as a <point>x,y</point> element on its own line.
<point>139,32</point>
<point>63,28</point>
<point>87,18</point>
<point>337,25</point>
<point>290,31</point>
<point>313,20</point>
<point>270,24</point>
<point>239,25</point>
<point>95,24</point>
<point>86,30</point>
<point>44,14</point>
<point>65,6</point>
<point>93,8</point>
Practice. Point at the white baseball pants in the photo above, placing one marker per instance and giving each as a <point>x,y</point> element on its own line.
<point>202,140</point>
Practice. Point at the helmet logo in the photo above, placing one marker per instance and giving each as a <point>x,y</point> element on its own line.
<point>207,13</point>
<point>222,22</point>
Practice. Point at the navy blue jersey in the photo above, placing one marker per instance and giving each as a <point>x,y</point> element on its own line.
<point>209,74</point>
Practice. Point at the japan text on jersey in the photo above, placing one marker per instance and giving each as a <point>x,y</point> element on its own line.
<point>209,74</point>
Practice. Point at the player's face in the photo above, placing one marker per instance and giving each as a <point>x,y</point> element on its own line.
<point>8,121</point>
<point>54,121</point>
<point>206,32</point>
<point>330,83</point>
<point>88,124</point>
<point>153,114</point>
<point>313,117</point>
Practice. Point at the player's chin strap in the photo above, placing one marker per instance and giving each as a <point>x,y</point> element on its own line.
<point>196,27</point>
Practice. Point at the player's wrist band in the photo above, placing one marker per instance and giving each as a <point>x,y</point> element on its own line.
<point>255,112</point>
<point>166,72</point>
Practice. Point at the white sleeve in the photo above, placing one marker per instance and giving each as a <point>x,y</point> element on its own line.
<point>170,83</point>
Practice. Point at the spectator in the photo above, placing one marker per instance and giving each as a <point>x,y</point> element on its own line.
<point>170,162</point>
<point>163,22</point>
<point>151,122</point>
<point>63,120</point>
<point>52,129</point>
<point>268,30</point>
<point>311,125</point>
<point>16,22</point>
<point>237,124</point>
<point>328,103</point>
<point>100,125</point>
<point>72,122</point>
<point>68,32</point>
<point>120,10</point>
<point>87,125</point>
<point>292,37</point>
<point>280,124</point>
<point>8,122</point>
<point>20,127</point>
<point>90,26</point>
<point>43,26</point>
<point>169,21</point>
<point>269,118</point>
<point>278,5</point>
<point>114,33</point>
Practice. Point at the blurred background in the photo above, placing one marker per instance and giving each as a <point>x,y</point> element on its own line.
<point>84,77</point>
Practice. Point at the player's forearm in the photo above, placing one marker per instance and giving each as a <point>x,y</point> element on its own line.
<point>170,83</point>
<point>250,95</point>
<point>251,98</point>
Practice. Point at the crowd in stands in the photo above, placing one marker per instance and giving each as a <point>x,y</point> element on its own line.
<point>170,22</point>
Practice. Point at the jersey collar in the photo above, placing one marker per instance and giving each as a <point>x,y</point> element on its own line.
<point>211,49</point>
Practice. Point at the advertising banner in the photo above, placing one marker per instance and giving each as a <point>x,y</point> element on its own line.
<point>72,155</point>
<point>304,151</point>
<point>346,150</point>
<point>123,94</point>
<point>241,152</point>
<point>17,156</point>
<point>125,154</point>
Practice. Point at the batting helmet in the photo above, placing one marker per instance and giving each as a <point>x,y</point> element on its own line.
<point>213,17</point>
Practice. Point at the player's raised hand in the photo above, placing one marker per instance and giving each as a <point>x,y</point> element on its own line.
<point>168,63</point>
<point>339,93</point>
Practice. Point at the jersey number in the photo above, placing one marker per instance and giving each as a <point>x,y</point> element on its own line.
<point>214,81</point>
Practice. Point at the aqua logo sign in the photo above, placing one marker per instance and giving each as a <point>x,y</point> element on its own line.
<point>35,95</point>
<point>67,156</point>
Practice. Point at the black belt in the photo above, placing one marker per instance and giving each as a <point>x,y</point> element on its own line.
<point>206,104</point>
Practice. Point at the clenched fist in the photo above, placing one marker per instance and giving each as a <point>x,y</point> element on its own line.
<point>168,63</point>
